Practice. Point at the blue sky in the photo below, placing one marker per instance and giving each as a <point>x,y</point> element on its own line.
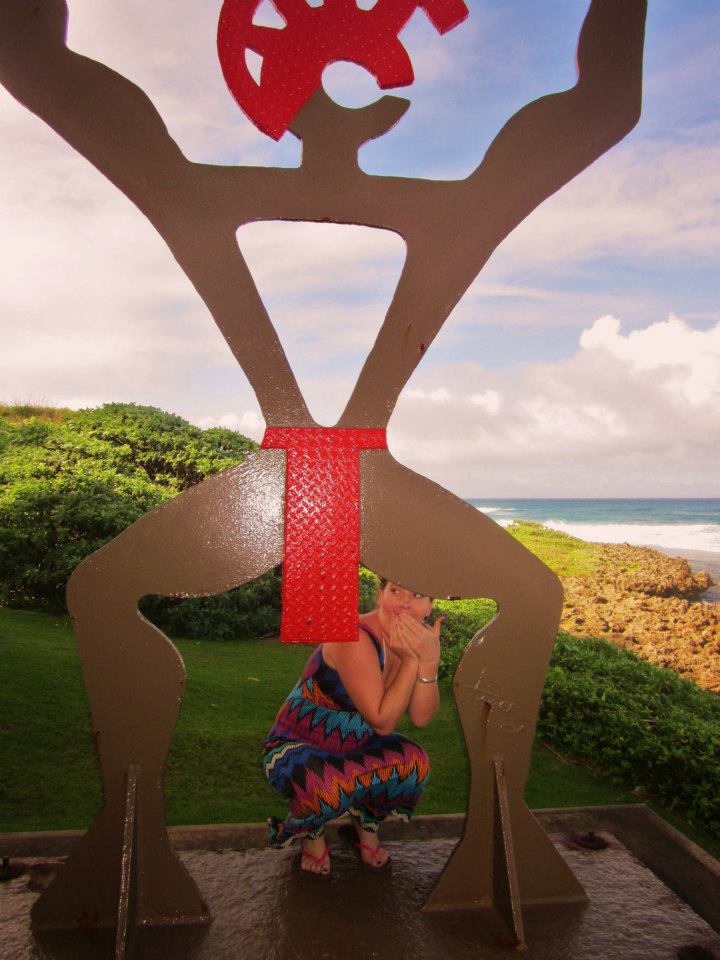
<point>585,360</point>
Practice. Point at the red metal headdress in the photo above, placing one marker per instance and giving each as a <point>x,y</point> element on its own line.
<point>294,57</point>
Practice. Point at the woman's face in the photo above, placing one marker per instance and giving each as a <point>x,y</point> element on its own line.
<point>394,600</point>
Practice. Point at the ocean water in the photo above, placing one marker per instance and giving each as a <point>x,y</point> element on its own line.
<point>679,526</point>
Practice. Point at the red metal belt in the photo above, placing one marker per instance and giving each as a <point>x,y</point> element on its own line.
<point>322,529</point>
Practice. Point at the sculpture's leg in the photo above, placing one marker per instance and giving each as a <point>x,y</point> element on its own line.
<point>423,537</point>
<point>224,532</point>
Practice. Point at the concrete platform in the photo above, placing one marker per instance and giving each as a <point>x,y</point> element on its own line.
<point>653,896</point>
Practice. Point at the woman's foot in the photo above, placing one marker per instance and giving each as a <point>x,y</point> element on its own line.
<point>371,853</point>
<point>315,858</point>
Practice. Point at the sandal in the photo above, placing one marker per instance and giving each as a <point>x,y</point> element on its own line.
<point>350,836</point>
<point>316,874</point>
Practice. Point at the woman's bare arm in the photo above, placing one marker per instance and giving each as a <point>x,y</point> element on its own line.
<point>100,113</point>
<point>357,664</point>
<point>425,643</point>
<point>551,140</point>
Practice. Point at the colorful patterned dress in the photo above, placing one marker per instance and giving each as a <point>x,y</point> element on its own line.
<point>326,759</point>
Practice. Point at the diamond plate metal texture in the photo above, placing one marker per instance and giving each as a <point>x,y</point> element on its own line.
<point>322,530</point>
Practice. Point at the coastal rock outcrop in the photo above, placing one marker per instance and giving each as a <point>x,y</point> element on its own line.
<point>641,599</point>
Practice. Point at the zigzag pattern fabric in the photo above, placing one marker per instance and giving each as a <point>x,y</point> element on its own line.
<point>324,758</point>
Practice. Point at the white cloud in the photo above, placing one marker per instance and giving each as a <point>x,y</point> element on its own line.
<point>249,423</point>
<point>490,401</point>
<point>488,290</point>
<point>644,199</point>
<point>327,259</point>
<point>327,288</point>
<point>689,359</point>
<point>438,396</point>
<point>169,51</point>
<point>632,414</point>
<point>92,301</point>
<point>267,16</point>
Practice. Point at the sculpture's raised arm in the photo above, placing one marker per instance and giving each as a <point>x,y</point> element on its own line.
<point>551,140</point>
<point>100,113</point>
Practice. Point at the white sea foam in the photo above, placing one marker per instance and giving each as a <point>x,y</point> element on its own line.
<point>673,536</point>
<point>503,516</point>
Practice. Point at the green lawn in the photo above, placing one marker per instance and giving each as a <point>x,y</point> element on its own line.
<point>48,772</point>
<point>565,555</point>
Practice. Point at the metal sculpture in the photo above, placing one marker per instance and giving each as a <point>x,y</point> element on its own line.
<point>230,529</point>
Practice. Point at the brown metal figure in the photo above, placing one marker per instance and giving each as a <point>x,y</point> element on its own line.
<point>229,529</point>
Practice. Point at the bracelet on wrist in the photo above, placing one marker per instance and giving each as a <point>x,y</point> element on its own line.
<point>420,679</point>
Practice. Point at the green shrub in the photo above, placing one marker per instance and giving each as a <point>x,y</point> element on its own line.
<point>369,584</point>
<point>70,481</point>
<point>463,619</point>
<point>250,611</point>
<point>645,726</point>
<point>48,524</point>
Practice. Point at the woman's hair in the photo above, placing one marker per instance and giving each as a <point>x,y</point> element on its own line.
<point>384,582</point>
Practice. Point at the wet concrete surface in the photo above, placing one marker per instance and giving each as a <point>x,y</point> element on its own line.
<point>265,910</point>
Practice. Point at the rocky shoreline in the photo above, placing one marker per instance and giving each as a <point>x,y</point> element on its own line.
<point>652,604</point>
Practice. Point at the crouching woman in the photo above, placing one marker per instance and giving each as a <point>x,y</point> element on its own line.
<point>333,750</point>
